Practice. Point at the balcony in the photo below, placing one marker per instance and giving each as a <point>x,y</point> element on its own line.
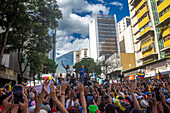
<point>167,43</point>
<point>135,29</point>
<point>142,12</point>
<point>135,2</point>
<point>164,22</point>
<point>131,7</point>
<point>163,5</point>
<point>136,37</point>
<point>165,16</point>
<point>164,49</point>
<point>146,33</point>
<point>166,32</point>
<point>143,22</point>
<point>134,21</point>
<point>149,55</point>
<point>132,13</point>
<point>147,50</point>
<point>145,30</point>
<point>140,4</point>
<point>129,1</point>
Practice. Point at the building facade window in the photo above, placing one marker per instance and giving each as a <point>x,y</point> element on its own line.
<point>164,11</point>
<point>159,2</point>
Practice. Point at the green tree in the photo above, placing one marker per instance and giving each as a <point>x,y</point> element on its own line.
<point>30,14</point>
<point>89,65</point>
<point>49,66</point>
<point>38,61</point>
<point>29,29</point>
<point>107,67</point>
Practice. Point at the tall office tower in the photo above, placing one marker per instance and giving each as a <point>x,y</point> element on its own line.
<point>151,32</point>
<point>125,35</point>
<point>103,36</point>
<point>80,54</point>
<point>52,53</point>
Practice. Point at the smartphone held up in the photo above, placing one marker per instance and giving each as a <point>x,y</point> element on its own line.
<point>17,94</point>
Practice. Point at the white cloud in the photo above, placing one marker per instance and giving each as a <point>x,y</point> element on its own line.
<point>117,4</point>
<point>73,23</point>
<point>66,46</point>
<point>102,1</point>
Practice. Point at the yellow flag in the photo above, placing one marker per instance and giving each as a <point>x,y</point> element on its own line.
<point>10,88</point>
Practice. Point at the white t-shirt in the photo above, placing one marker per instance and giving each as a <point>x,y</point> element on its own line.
<point>67,103</point>
<point>68,71</point>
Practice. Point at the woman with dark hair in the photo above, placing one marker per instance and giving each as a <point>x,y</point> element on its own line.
<point>67,68</point>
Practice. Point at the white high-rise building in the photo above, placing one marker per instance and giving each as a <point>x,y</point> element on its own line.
<point>80,54</point>
<point>125,36</point>
<point>103,36</point>
<point>123,24</point>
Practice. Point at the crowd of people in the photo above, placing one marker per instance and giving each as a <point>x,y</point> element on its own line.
<point>138,97</point>
<point>68,95</point>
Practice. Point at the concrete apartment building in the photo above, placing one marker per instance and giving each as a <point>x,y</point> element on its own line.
<point>123,24</point>
<point>150,21</point>
<point>103,36</point>
<point>80,54</point>
<point>125,36</point>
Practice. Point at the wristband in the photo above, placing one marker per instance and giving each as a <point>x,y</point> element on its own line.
<point>63,94</point>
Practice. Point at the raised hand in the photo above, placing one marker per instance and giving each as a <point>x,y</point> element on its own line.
<point>132,88</point>
<point>15,109</point>
<point>63,86</point>
<point>72,94</point>
<point>7,104</point>
<point>53,92</point>
<point>80,87</point>
<point>24,106</point>
<point>45,84</point>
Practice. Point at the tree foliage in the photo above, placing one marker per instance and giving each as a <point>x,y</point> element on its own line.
<point>107,67</point>
<point>49,66</point>
<point>26,25</point>
<point>89,65</point>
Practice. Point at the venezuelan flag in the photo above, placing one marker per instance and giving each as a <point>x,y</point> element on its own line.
<point>3,88</point>
<point>159,76</point>
<point>23,84</point>
<point>141,75</point>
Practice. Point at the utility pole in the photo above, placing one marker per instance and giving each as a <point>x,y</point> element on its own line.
<point>54,48</point>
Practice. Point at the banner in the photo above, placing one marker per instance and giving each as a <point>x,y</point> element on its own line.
<point>131,77</point>
<point>38,88</point>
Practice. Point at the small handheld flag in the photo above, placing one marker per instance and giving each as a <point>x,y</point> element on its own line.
<point>159,76</point>
<point>23,84</point>
<point>141,75</point>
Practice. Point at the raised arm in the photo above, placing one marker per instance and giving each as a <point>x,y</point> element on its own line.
<point>36,95</point>
<point>63,89</point>
<point>72,97</point>
<point>55,99</point>
<point>135,101</point>
<point>83,100</point>
<point>42,94</point>
<point>63,64</point>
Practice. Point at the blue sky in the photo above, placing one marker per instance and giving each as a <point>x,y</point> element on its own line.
<point>72,33</point>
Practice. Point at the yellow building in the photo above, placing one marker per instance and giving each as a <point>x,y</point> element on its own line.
<point>163,9</point>
<point>151,29</point>
<point>150,21</point>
